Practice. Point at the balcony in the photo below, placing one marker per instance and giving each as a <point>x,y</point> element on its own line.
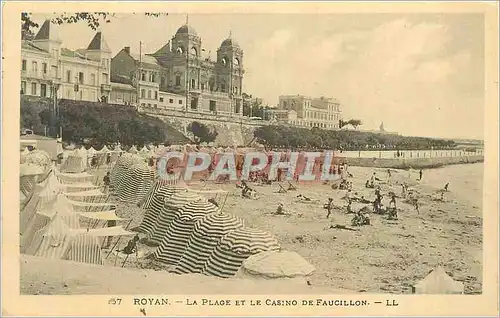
<point>36,75</point>
<point>105,88</point>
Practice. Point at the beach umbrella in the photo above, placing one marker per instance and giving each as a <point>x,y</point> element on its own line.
<point>235,247</point>
<point>135,183</point>
<point>206,235</point>
<point>177,236</point>
<point>159,194</point>
<point>167,214</point>
<point>277,264</point>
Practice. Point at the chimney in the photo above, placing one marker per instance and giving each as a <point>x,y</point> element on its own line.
<point>127,49</point>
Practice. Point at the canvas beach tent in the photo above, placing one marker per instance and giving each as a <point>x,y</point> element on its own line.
<point>133,150</point>
<point>24,154</point>
<point>79,206</point>
<point>104,149</point>
<point>39,158</point>
<point>122,165</point>
<point>438,282</point>
<point>176,239</point>
<point>68,178</point>
<point>158,199</point>
<point>276,264</point>
<point>89,196</point>
<point>94,219</point>
<point>205,237</point>
<point>235,247</point>
<point>76,162</point>
<point>167,214</point>
<point>135,183</point>
<point>58,241</point>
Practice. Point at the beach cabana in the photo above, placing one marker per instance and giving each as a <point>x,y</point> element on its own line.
<point>438,282</point>
<point>168,212</point>
<point>236,247</point>
<point>135,183</point>
<point>176,239</point>
<point>154,208</point>
<point>205,237</point>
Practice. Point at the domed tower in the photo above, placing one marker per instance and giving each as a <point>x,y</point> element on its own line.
<point>186,39</point>
<point>230,71</point>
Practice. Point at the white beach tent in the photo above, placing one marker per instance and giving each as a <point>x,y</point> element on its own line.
<point>438,282</point>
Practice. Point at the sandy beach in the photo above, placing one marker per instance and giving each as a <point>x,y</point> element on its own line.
<point>388,256</point>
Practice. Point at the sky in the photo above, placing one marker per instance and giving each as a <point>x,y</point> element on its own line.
<point>419,74</point>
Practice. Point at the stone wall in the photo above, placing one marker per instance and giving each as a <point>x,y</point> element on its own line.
<point>231,130</point>
<point>415,163</point>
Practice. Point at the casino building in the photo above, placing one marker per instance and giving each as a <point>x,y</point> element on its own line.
<point>181,75</point>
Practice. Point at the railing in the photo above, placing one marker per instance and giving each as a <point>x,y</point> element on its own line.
<point>36,74</point>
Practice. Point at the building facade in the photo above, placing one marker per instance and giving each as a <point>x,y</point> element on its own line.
<point>181,72</point>
<point>47,68</point>
<point>303,111</point>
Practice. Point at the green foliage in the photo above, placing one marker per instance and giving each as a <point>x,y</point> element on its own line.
<point>101,124</point>
<point>316,138</point>
<point>202,132</point>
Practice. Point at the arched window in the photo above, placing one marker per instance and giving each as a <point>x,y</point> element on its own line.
<point>180,50</point>
<point>224,61</point>
<point>236,61</point>
<point>194,51</point>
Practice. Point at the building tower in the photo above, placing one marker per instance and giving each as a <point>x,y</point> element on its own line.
<point>230,72</point>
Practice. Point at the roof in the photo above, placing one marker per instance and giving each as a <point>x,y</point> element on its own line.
<point>121,79</point>
<point>122,86</point>
<point>229,42</point>
<point>27,45</point>
<point>145,59</point>
<point>69,53</point>
<point>36,137</point>
<point>47,32</point>
<point>186,29</point>
<point>98,43</point>
<point>164,50</point>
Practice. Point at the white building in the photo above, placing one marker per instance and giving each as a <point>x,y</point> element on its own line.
<point>303,111</point>
<point>46,66</point>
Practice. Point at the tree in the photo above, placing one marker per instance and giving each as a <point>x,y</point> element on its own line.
<point>202,132</point>
<point>355,123</point>
<point>93,20</point>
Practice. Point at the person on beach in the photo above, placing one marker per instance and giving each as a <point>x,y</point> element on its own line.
<point>279,210</point>
<point>106,181</point>
<point>420,174</point>
<point>446,187</point>
<point>415,204</point>
<point>329,207</point>
<point>131,246</point>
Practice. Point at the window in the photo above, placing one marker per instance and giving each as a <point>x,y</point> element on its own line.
<point>92,79</point>
<point>33,88</point>
<point>43,90</point>
<point>142,104</point>
<point>34,66</point>
<point>149,93</point>
<point>143,76</point>
<point>155,105</point>
<point>23,87</point>
<point>223,87</point>
<point>171,101</point>
<point>202,86</point>
<point>143,93</point>
<point>80,77</point>
<point>44,68</point>
<point>180,101</point>
<point>162,81</point>
<point>153,78</point>
<point>23,65</point>
<point>193,83</point>
<point>161,99</point>
<point>53,70</point>
<point>149,105</point>
<point>156,94</point>
<point>212,106</point>
<point>177,80</point>
<point>68,76</point>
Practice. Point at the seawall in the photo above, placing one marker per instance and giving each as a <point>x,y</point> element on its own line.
<point>414,163</point>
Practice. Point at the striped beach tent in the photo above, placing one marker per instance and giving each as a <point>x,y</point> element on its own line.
<point>135,183</point>
<point>157,190</point>
<point>235,247</point>
<point>104,149</point>
<point>133,150</point>
<point>168,212</point>
<point>89,196</point>
<point>276,264</point>
<point>206,235</point>
<point>67,178</point>
<point>80,206</point>
<point>59,241</point>
<point>124,162</point>
<point>39,158</point>
<point>44,215</point>
<point>157,202</point>
<point>76,162</point>
<point>176,239</point>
